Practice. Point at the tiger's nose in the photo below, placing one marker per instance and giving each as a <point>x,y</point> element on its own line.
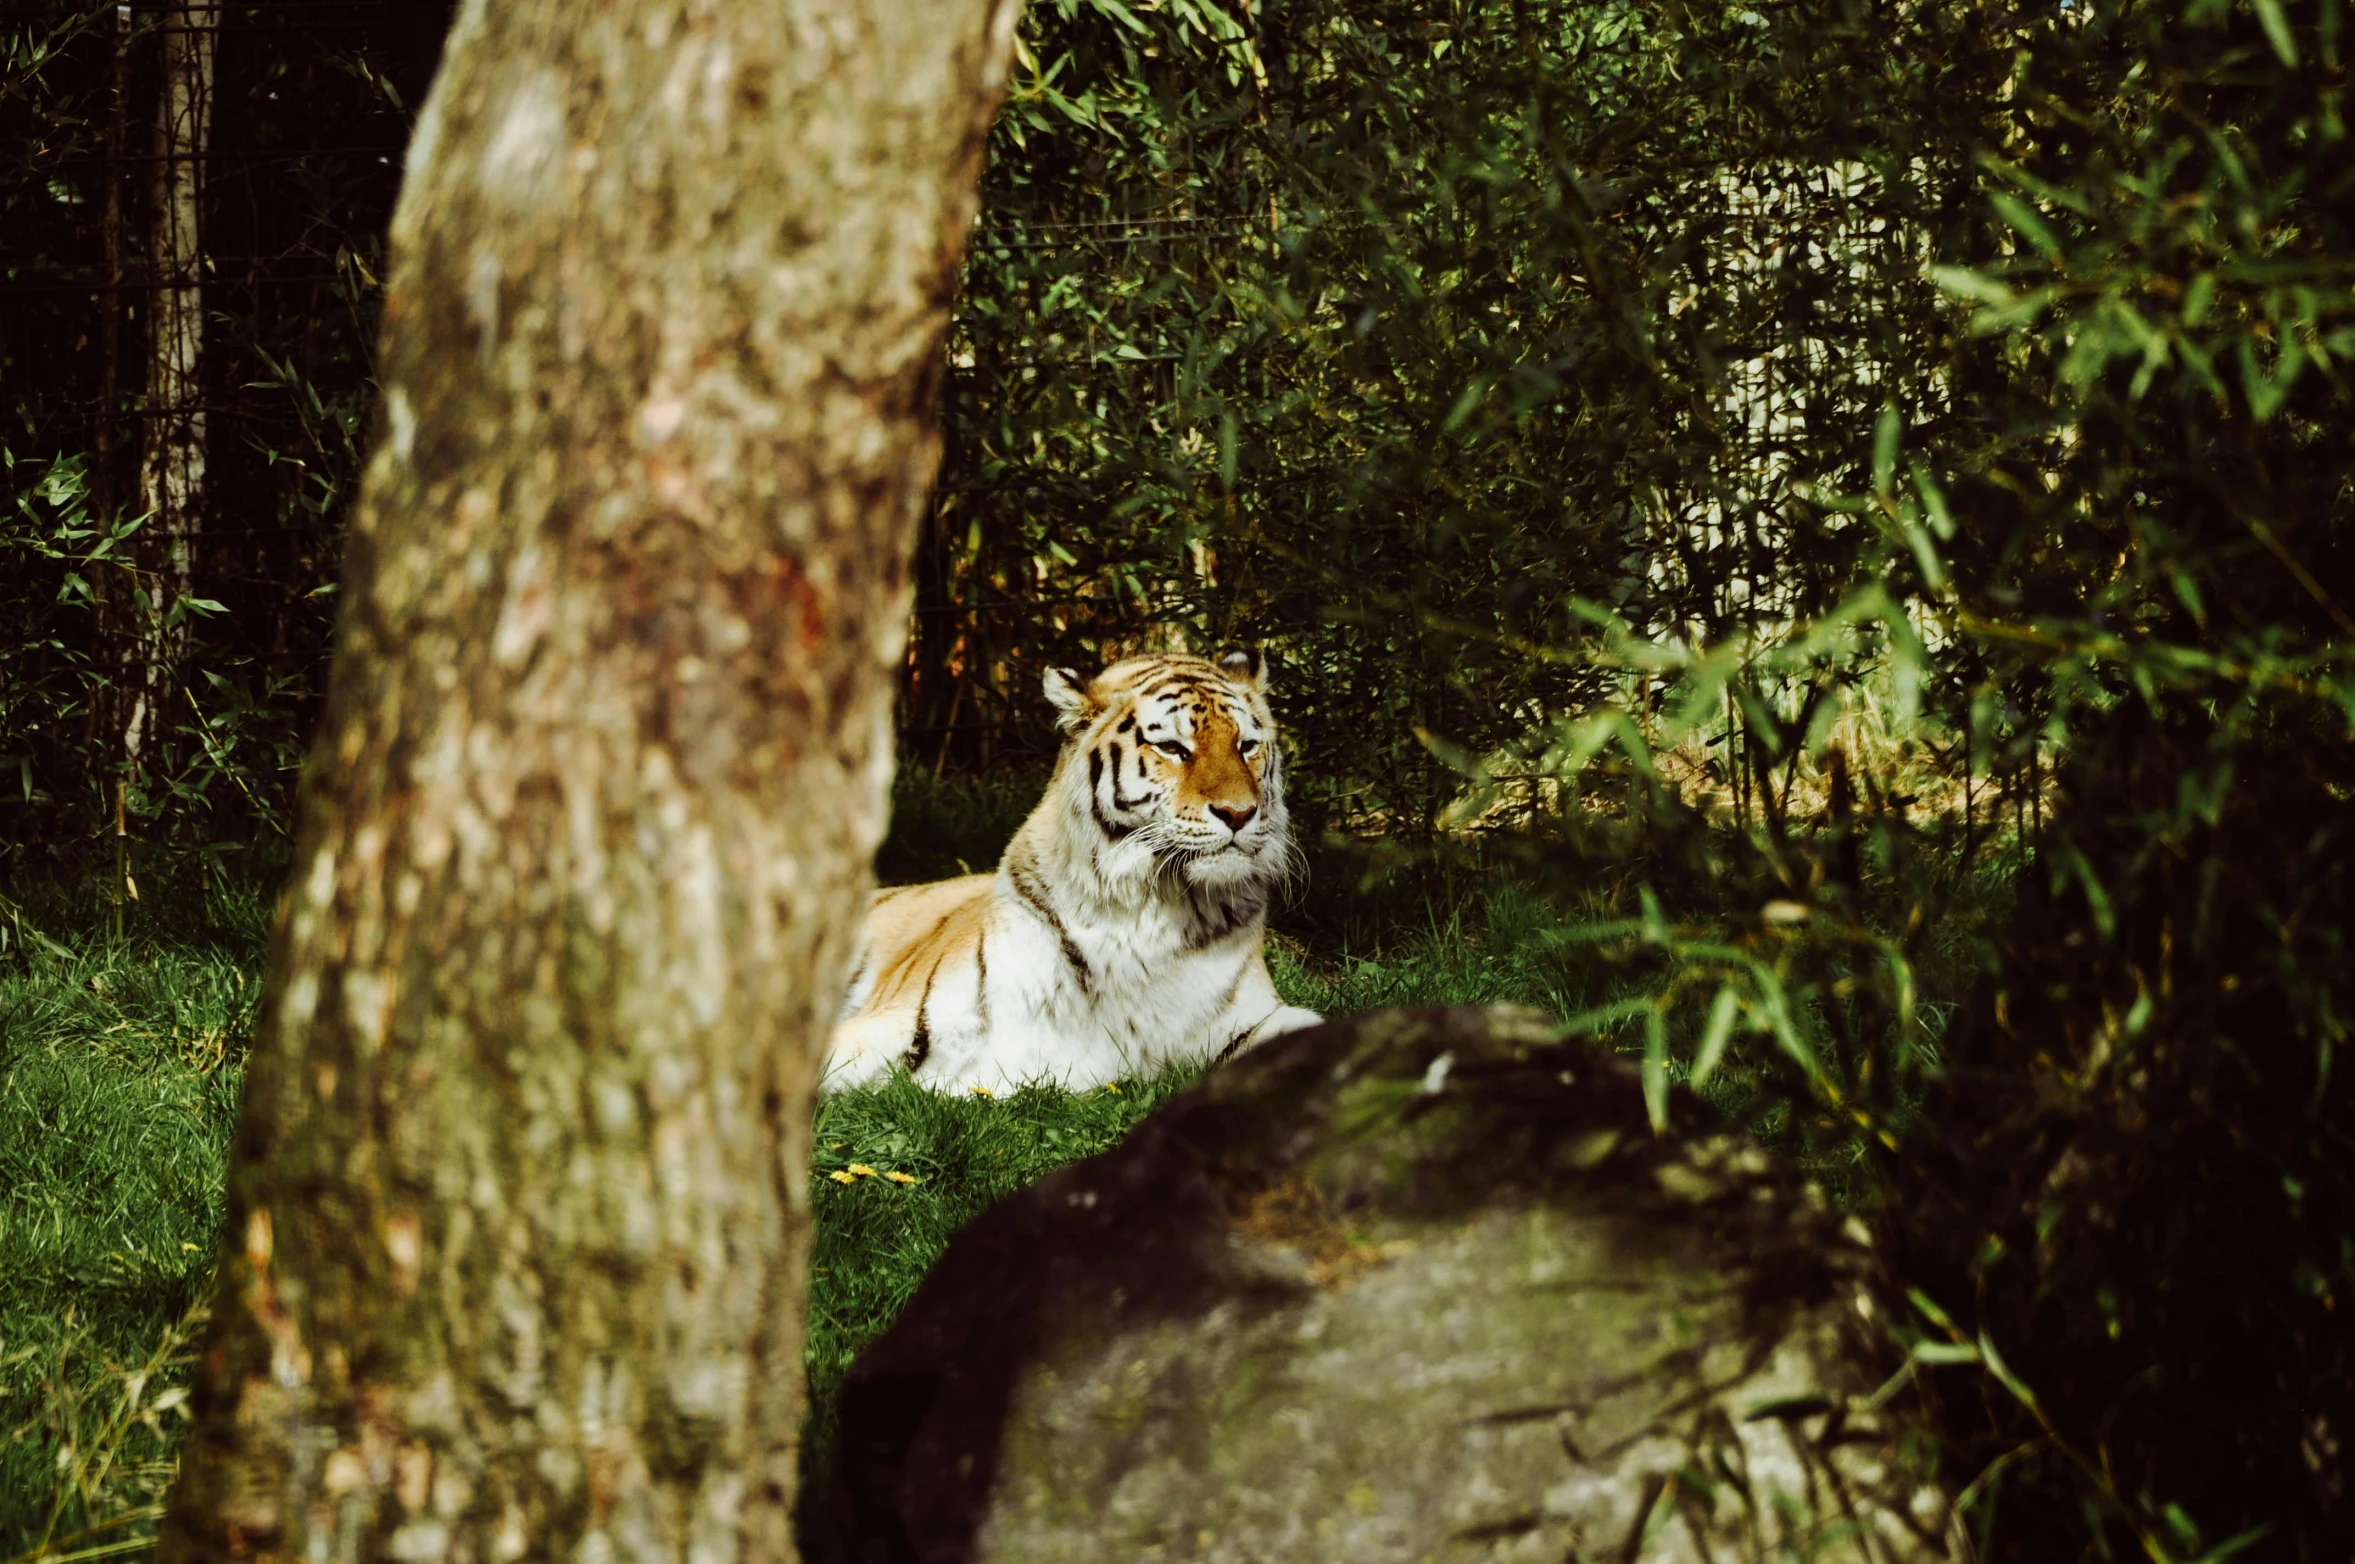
<point>1236,819</point>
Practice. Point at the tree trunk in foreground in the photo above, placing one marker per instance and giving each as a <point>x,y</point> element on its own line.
<point>517,1229</point>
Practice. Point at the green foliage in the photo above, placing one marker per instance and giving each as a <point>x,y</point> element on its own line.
<point>310,106</point>
<point>2140,1167</point>
<point>1797,463</point>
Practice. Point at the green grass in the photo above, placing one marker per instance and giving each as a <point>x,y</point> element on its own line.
<point>119,1070</point>
<point>1498,950</point>
<point>877,1237</point>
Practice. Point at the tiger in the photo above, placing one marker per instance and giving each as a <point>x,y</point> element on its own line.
<point>1124,926</point>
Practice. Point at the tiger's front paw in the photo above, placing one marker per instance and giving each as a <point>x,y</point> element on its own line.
<point>1286,1018</point>
<point>1282,1019</point>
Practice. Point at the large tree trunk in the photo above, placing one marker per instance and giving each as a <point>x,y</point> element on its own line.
<point>172,449</point>
<point>517,1231</point>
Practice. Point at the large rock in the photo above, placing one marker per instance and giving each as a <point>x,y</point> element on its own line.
<point>1413,1286</point>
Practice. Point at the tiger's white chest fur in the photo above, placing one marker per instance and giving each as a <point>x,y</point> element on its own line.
<point>1124,927</point>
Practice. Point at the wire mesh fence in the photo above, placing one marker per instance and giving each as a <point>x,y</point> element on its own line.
<point>195,196</point>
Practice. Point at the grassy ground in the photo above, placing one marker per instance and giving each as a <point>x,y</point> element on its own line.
<point>876,1237</point>
<point>119,1071</point>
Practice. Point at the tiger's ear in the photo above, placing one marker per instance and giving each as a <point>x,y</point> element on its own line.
<point>1074,706</point>
<point>1246,667</point>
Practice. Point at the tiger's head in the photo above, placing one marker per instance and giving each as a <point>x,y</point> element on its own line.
<point>1174,761</point>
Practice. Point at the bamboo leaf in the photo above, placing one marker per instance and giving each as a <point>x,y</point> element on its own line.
<point>1723,1011</point>
<point>2025,221</point>
<point>1655,1069</point>
<point>2277,31</point>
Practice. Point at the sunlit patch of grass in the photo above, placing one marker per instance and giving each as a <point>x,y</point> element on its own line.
<point>1504,949</point>
<point>119,1073</point>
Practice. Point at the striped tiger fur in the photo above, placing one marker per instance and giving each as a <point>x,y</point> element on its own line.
<point>1123,926</point>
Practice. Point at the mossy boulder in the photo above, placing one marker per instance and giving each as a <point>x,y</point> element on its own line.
<point>1412,1286</point>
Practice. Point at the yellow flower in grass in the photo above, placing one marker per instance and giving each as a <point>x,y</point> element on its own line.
<point>983,1091</point>
<point>903,1178</point>
<point>861,1170</point>
<point>841,1177</point>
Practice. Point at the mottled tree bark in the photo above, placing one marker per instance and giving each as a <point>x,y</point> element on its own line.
<point>515,1256</point>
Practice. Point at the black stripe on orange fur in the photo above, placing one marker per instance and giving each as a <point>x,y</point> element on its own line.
<point>981,976</point>
<point>920,1044</point>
